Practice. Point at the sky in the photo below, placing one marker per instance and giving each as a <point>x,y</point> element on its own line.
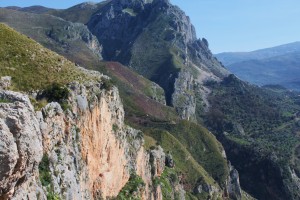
<point>228,25</point>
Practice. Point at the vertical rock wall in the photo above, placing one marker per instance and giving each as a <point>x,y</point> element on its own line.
<point>91,152</point>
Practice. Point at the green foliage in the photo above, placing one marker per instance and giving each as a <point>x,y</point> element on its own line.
<point>185,163</point>
<point>257,127</point>
<point>204,147</point>
<point>52,196</point>
<point>132,189</point>
<point>197,140</point>
<point>44,171</point>
<point>150,143</point>
<point>31,66</point>
<point>265,115</point>
<point>65,106</point>
<point>55,92</point>
<point>107,84</point>
<point>5,100</point>
<point>45,178</point>
<point>167,181</point>
<point>38,104</point>
<point>115,128</point>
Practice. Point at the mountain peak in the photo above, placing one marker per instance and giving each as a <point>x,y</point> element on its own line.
<point>138,5</point>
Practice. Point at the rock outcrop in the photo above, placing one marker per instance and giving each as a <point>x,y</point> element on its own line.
<point>157,40</point>
<point>88,151</point>
<point>234,188</point>
<point>21,147</point>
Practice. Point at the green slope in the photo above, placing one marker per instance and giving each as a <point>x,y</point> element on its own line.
<point>64,37</point>
<point>31,66</point>
<point>259,129</point>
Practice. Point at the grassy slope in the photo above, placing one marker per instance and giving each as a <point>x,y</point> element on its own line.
<point>189,169</point>
<point>30,65</point>
<point>135,92</point>
<point>64,41</point>
<point>195,139</point>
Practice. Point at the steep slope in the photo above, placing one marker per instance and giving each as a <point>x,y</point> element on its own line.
<point>80,13</point>
<point>259,129</point>
<point>30,66</point>
<point>93,112</point>
<point>85,151</point>
<point>157,40</point>
<point>66,38</point>
<point>229,58</point>
<point>240,115</point>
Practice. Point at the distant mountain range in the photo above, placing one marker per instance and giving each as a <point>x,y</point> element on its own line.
<point>278,65</point>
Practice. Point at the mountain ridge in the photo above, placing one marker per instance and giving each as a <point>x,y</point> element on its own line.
<point>199,90</point>
<point>278,65</point>
<point>228,58</point>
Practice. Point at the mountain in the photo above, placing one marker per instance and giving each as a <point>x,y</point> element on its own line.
<point>183,100</point>
<point>280,70</point>
<point>33,9</point>
<point>57,150</point>
<point>158,41</point>
<point>235,57</point>
<point>273,66</point>
<point>60,156</point>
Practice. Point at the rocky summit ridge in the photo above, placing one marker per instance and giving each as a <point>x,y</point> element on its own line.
<point>157,40</point>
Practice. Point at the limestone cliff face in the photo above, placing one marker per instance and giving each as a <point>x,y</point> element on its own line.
<point>157,39</point>
<point>20,145</point>
<point>91,153</point>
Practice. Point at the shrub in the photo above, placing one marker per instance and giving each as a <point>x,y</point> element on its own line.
<point>55,92</point>
<point>107,84</point>
<point>44,170</point>
<point>131,189</point>
<point>115,127</point>
<point>4,100</point>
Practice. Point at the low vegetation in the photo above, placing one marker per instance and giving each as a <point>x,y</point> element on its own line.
<point>132,190</point>
<point>186,165</point>
<point>31,66</point>
<point>262,125</point>
<point>46,179</point>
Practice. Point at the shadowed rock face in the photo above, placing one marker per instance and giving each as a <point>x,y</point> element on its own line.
<point>157,40</point>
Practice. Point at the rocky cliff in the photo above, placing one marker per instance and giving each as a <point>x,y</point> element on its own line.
<point>157,39</point>
<point>86,152</point>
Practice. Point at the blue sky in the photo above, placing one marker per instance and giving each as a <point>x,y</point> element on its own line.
<point>229,25</point>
